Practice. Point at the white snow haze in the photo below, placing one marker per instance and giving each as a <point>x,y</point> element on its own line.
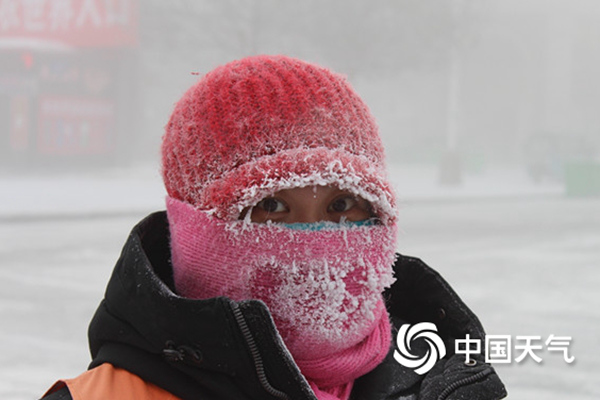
<point>488,109</point>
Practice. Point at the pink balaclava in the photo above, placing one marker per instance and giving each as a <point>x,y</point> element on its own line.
<point>245,131</point>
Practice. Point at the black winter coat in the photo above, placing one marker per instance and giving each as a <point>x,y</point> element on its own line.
<point>221,349</point>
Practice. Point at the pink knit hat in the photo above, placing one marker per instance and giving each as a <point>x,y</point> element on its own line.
<point>262,124</point>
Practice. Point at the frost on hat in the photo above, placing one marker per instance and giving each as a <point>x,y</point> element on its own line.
<point>262,124</point>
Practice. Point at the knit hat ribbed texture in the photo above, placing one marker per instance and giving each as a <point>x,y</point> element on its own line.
<point>261,124</point>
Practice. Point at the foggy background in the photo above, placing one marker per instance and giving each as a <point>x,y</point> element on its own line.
<point>489,110</point>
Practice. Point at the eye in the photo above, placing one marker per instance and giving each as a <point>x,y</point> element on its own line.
<point>342,204</point>
<point>272,205</point>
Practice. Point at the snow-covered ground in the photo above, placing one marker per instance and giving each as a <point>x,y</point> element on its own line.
<point>527,266</point>
<point>525,258</point>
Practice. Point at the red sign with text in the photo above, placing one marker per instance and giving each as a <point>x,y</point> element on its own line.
<point>78,23</point>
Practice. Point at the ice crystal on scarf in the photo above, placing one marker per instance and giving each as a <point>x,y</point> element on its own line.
<point>323,287</point>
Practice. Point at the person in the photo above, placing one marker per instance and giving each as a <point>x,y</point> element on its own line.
<point>273,272</point>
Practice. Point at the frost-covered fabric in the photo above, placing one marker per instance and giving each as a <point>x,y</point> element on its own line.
<point>323,287</point>
<point>261,124</point>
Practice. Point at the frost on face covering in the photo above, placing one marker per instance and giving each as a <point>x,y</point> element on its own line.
<point>226,198</point>
<point>317,226</point>
<point>323,287</point>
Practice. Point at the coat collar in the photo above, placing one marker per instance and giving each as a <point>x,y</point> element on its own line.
<point>201,347</point>
<point>143,326</point>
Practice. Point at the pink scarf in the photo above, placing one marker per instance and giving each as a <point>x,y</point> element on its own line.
<point>323,287</point>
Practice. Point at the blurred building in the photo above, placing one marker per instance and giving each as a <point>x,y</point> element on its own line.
<point>67,85</point>
<point>491,81</point>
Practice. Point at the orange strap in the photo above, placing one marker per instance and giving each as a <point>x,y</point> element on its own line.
<point>107,382</point>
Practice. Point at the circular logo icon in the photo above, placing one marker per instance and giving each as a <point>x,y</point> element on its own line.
<point>408,333</point>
